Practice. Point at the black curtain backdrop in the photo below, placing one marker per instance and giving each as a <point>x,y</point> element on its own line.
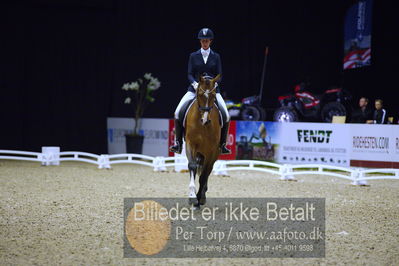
<point>63,62</point>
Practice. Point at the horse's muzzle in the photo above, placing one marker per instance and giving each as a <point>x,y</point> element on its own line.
<point>205,122</point>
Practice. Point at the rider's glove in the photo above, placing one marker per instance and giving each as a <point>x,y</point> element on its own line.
<point>216,84</point>
<point>194,84</point>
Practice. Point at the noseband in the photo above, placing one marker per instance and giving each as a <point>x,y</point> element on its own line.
<point>205,109</point>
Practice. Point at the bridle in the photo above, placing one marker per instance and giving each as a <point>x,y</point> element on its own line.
<point>205,109</point>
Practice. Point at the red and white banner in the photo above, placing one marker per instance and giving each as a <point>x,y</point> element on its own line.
<point>357,58</point>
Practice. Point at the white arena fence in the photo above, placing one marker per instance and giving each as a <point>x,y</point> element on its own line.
<point>357,176</point>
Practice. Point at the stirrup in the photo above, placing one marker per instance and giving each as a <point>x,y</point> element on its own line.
<point>177,148</point>
<point>224,150</point>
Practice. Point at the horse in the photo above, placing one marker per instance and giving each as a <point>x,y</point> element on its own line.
<point>202,134</point>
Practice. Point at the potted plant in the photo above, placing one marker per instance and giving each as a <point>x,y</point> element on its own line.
<point>139,95</point>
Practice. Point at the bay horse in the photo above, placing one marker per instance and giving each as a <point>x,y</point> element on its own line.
<point>202,134</point>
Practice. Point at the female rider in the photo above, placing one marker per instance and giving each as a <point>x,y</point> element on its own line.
<point>202,62</point>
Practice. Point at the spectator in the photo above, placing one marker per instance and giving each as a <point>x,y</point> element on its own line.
<point>380,115</point>
<point>363,113</point>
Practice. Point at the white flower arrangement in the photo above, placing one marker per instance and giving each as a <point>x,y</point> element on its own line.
<point>141,91</point>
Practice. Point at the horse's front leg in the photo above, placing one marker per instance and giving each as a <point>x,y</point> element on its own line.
<point>203,181</point>
<point>192,197</point>
<point>192,167</point>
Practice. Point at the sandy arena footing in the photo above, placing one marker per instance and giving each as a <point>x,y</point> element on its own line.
<point>72,214</point>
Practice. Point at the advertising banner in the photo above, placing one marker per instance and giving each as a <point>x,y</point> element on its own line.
<point>319,143</point>
<point>357,36</point>
<point>291,143</point>
<point>231,142</point>
<point>154,130</point>
<point>171,135</point>
<point>375,146</point>
<point>257,140</point>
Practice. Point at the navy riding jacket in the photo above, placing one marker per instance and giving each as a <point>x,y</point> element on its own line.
<point>197,66</point>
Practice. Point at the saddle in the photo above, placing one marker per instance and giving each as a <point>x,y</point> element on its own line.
<point>188,105</point>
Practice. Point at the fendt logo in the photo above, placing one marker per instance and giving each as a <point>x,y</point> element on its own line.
<point>314,136</point>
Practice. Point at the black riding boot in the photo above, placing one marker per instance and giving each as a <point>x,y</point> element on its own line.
<point>223,138</point>
<point>177,148</point>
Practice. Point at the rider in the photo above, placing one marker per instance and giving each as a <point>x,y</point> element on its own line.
<point>202,62</point>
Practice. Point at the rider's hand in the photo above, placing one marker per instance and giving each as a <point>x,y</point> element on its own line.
<point>194,84</point>
<point>216,84</point>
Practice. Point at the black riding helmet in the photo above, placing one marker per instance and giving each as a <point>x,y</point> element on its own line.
<point>205,33</point>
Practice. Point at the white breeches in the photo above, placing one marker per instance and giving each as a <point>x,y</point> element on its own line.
<point>187,97</point>
<point>222,105</point>
<point>191,95</point>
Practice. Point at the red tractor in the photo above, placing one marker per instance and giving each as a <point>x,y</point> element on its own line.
<point>304,106</point>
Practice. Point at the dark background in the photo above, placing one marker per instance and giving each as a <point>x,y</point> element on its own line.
<point>63,62</point>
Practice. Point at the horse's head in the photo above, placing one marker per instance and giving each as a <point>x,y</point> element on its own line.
<point>206,95</point>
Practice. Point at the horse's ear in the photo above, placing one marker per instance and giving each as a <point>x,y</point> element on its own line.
<point>200,78</point>
<point>217,78</point>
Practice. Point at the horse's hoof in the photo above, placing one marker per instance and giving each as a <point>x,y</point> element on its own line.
<point>202,201</point>
<point>196,207</point>
<point>193,201</point>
